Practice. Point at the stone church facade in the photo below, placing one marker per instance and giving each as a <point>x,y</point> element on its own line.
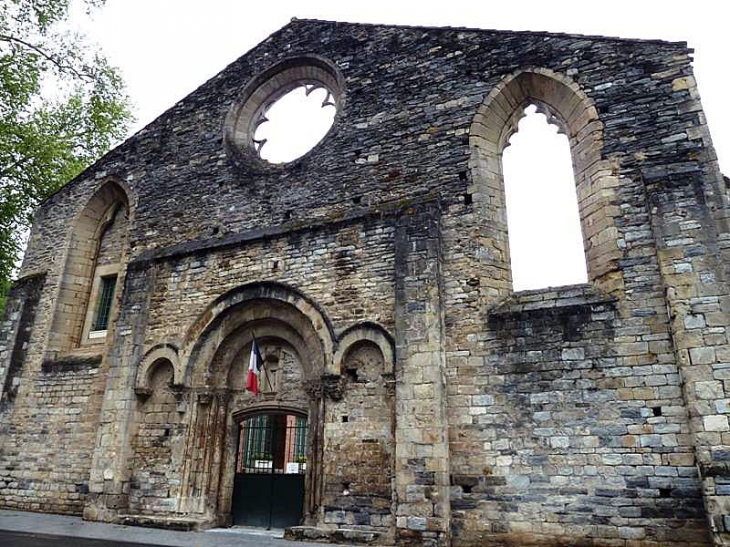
<point>421,400</point>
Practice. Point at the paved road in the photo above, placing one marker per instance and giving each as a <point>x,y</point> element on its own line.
<point>23,529</point>
<point>17,539</point>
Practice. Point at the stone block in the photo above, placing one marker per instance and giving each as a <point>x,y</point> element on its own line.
<point>716,423</point>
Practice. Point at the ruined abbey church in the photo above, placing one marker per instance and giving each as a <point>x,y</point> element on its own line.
<point>408,395</point>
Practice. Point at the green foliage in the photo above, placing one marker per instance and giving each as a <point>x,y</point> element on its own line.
<point>61,108</point>
<point>4,289</point>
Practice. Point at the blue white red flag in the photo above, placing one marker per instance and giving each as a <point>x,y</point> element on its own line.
<point>254,368</point>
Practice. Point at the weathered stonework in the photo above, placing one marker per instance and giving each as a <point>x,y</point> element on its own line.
<point>441,407</point>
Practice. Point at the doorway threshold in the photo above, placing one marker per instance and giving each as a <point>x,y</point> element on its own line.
<point>249,531</point>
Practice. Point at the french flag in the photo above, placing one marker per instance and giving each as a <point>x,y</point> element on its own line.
<point>254,368</point>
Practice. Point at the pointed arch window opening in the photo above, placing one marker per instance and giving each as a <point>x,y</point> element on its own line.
<point>105,272</point>
<point>544,229</point>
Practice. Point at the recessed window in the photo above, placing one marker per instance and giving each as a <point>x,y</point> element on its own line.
<point>106,298</point>
<point>294,124</point>
<point>545,237</point>
<point>97,249</point>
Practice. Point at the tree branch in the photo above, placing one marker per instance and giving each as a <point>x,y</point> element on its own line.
<point>8,170</point>
<point>63,67</point>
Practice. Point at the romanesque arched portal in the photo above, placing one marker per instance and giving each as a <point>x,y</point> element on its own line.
<point>295,342</point>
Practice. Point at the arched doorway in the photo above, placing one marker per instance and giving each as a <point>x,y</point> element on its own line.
<point>269,482</point>
<point>296,343</point>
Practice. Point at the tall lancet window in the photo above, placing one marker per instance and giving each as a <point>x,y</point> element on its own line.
<point>95,257</point>
<point>545,238</point>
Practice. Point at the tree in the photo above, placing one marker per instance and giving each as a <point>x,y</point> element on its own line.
<point>61,107</point>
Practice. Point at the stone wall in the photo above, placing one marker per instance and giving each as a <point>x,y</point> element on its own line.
<point>595,414</point>
<point>560,423</point>
<point>50,418</point>
<point>158,459</point>
<point>113,240</point>
<point>52,401</point>
<point>359,442</point>
<point>347,268</point>
<point>15,333</point>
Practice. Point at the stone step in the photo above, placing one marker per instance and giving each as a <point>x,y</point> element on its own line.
<point>154,521</point>
<point>340,535</point>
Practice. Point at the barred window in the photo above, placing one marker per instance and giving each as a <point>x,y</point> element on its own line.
<point>103,310</point>
<point>272,443</point>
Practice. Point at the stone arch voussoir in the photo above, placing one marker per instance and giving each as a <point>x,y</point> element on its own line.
<point>157,356</point>
<point>259,303</point>
<point>366,332</point>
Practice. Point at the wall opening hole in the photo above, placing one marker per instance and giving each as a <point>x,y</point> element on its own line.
<point>351,374</point>
<point>545,237</point>
<point>468,199</point>
<point>466,482</point>
<point>294,123</point>
<point>357,200</point>
<point>345,419</point>
<point>665,492</point>
<point>462,175</point>
<point>167,432</point>
<point>657,410</point>
<point>287,215</point>
<point>275,265</point>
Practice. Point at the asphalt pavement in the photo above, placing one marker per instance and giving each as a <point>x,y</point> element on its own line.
<point>25,529</point>
<point>18,539</point>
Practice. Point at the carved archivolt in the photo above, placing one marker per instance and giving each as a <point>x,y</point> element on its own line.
<point>278,312</point>
<point>365,332</point>
<point>162,355</point>
<point>269,309</point>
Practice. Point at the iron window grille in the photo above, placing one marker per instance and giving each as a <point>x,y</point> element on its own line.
<point>272,444</point>
<point>106,298</point>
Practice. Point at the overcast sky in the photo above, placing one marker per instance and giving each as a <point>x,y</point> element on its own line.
<point>167,48</point>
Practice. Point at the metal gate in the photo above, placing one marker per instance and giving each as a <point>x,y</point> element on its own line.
<point>269,486</point>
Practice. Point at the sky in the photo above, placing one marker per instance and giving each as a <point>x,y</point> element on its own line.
<point>167,48</point>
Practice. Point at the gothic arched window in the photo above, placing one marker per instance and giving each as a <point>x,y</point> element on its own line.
<point>545,239</point>
<point>90,280</point>
<point>594,179</point>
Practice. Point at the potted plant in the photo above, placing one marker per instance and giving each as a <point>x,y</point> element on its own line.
<point>301,459</point>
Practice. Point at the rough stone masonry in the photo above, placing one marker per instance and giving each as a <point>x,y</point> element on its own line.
<point>442,408</point>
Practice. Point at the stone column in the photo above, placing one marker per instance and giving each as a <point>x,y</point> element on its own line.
<point>218,430</point>
<point>111,463</point>
<point>16,328</point>
<point>315,428</point>
<point>683,199</point>
<point>422,444</point>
